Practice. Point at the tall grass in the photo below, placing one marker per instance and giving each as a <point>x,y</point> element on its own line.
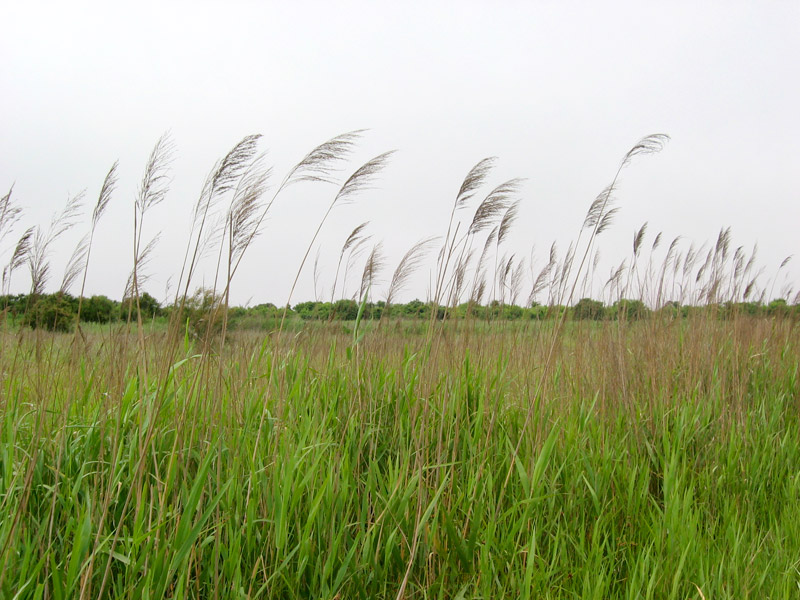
<point>688,479</point>
<point>652,458</point>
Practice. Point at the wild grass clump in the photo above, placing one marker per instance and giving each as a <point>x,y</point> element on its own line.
<point>636,443</point>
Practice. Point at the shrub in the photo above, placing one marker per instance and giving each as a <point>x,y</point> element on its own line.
<point>99,309</point>
<point>149,306</point>
<point>202,314</point>
<point>319,311</point>
<point>53,312</point>
<point>631,310</point>
<point>345,310</point>
<point>15,305</point>
<point>537,312</point>
<point>778,308</point>
<point>416,309</point>
<point>586,308</point>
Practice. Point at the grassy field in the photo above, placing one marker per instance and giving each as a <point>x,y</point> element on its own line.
<point>655,459</point>
<point>588,451</point>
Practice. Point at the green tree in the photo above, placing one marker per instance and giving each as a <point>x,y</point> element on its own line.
<point>512,312</point>
<point>149,306</point>
<point>202,313</point>
<point>588,309</point>
<point>345,310</point>
<point>312,310</point>
<point>99,309</point>
<point>778,308</point>
<point>53,312</point>
<point>537,312</point>
<point>416,309</point>
<point>630,310</point>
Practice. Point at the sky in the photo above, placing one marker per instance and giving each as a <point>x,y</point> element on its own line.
<point>557,91</point>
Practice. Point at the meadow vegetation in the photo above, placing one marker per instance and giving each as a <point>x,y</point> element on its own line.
<point>636,438</point>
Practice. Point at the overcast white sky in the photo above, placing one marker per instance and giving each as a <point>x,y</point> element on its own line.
<point>558,91</point>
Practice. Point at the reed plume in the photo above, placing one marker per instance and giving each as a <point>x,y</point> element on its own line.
<point>323,161</point>
<point>506,223</point>
<point>410,262</point>
<point>221,180</point>
<point>106,190</point>
<point>374,264</point>
<point>495,203</point>
<point>151,192</point>
<point>638,238</point>
<point>18,256</point>
<point>320,165</point>
<point>37,254</point>
<point>242,220</point>
<point>472,182</point>
<point>361,179</point>
<point>353,240</point>
<point>75,265</point>
<point>10,214</point>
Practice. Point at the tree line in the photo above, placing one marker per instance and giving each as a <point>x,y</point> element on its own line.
<point>61,311</point>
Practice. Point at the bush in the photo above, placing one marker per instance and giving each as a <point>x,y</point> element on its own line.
<point>149,306</point>
<point>345,310</point>
<point>588,309</point>
<point>537,312</point>
<point>53,312</point>
<point>630,310</point>
<point>99,309</point>
<point>778,308</point>
<point>14,305</point>
<point>416,309</point>
<point>318,311</point>
<point>202,314</point>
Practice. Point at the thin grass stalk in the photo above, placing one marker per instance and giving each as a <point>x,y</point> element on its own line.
<point>358,181</point>
<point>647,145</point>
<point>109,183</point>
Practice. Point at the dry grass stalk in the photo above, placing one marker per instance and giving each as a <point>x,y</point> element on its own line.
<point>647,145</point>
<point>472,182</point>
<point>38,252</point>
<point>18,257</point>
<point>361,179</point>
<point>10,214</point>
<point>221,180</point>
<point>372,267</point>
<point>354,240</point>
<point>410,262</point>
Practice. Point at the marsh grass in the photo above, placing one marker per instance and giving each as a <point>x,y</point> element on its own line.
<point>689,479</point>
<point>628,458</point>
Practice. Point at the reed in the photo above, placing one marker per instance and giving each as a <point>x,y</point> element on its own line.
<point>646,453</point>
